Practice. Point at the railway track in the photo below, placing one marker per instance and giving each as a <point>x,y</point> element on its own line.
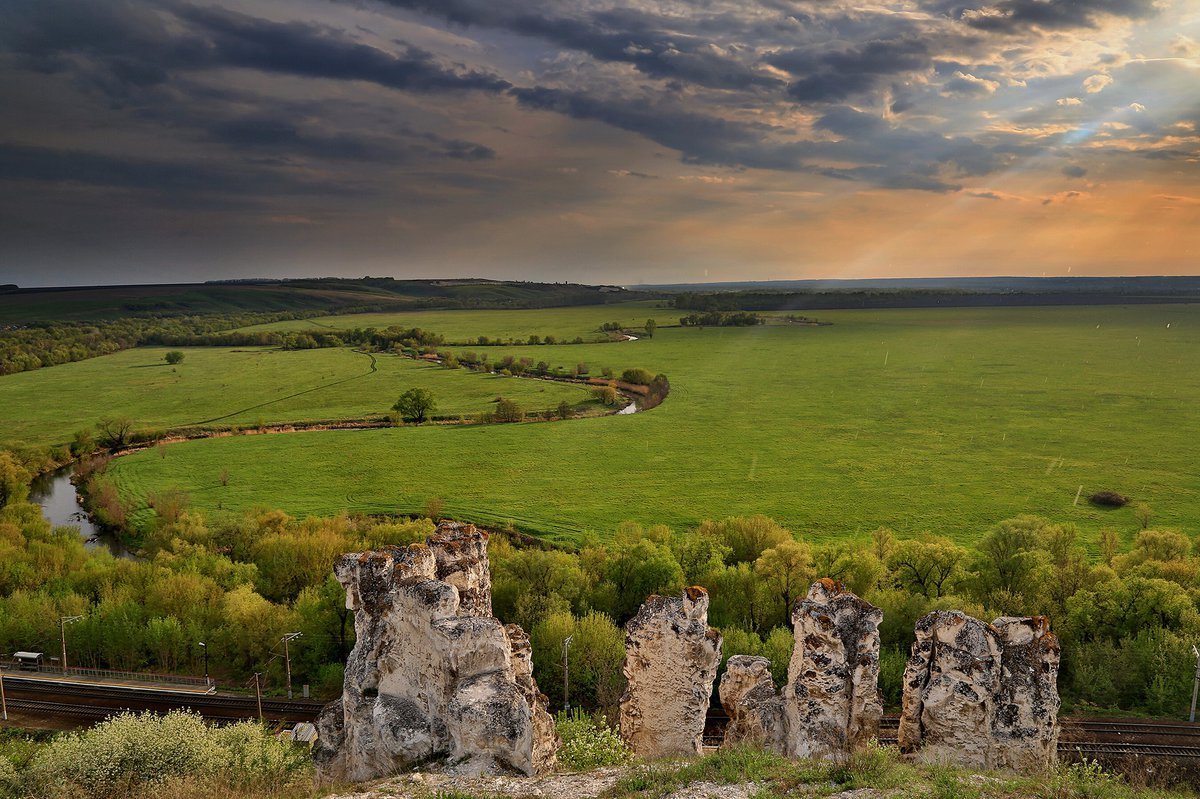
<point>1079,737</point>
<point>96,702</point>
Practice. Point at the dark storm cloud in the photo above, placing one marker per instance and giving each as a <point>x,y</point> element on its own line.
<point>308,50</point>
<point>652,45</point>
<point>897,157</point>
<point>835,76</point>
<point>1014,16</point>
<point>127,44</point>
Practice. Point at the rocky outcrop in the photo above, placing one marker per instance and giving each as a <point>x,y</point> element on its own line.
<point>432,675</point>
<point>832,697</point>
<point>671,659</point>
<point>950,686</point>
<point>831,703</point>
<point>754,707</point>
<point>545,736</point>
<point>1025,728</point>
<point>981,695</point>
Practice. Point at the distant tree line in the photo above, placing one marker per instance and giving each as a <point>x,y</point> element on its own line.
<point>721,319</point>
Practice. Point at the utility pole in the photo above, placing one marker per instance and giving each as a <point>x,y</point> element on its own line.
<point>204,646</point>
<point>63,621</point>
<point>1195,683</point>
<point>3,701</point>
<point>258,696</point>
<point>566,672</point>
<point>288,660</point>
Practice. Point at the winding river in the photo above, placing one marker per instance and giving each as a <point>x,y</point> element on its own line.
<point>55,492</point>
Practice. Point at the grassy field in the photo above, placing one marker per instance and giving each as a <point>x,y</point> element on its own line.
<point>565,323</point>
<point>243,387</point>
<point>943,420</point>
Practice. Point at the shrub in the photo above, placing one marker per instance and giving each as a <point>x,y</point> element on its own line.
<point>588,742</point>
<point>132,754</point>
<point>173,357</point>
<point>642,377</point>
<point>606,395</point>
<point>253,758</point>
<point>564,410</point>
<point>1108,499</point>
<point>508,411</point>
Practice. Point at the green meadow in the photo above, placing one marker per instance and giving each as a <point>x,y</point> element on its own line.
<point>946,420</point>
<point>247,386</point>
<point>565,323</point>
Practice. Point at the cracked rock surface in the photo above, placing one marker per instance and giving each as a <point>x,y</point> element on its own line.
<point>982,695</point>
<point>831,703</point>
<point>432,676</point>
<point>671,660</point>
<point>832,698</point>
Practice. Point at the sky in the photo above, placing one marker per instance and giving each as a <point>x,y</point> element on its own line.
<point>590,141</point>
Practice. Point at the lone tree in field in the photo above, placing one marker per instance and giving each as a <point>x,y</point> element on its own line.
<point>651,326</point>
<point>508,411</point>
<point>115,433</point>
<point>173,357</point>
<point>415,405</point>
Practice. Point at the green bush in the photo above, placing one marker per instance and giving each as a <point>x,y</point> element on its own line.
<point>642,377</point>
<point>132,754</point>
<point>588,742</point>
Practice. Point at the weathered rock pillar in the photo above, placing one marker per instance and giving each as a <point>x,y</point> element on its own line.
<point>1026,724</point>
<point>982,695</point>
<point>831,703</point>
<point>832,699</point>
<point>432,675</point>
<point>671,660</point>
<point>754,707</point>
<point>950,686</point>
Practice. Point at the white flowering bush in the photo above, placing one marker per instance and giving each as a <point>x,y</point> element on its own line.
<point>588,742</point>
<point>131,755</point>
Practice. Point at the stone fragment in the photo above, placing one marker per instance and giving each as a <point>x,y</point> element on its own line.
<point>671,660</point>
<point>754,708</point>
<point>432,675</point>
<point>1025,728</point>
<point>832,699</point>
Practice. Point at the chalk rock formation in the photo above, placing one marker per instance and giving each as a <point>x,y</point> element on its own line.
<point>1025,728</point>
<point>671,660</point>
<point>831,703</point>
<point>950,686</point>
<point>545,736</point>
<point>832,699</point>
<point>432,674</point>
<point>982,695</point>
<point>754,708</point>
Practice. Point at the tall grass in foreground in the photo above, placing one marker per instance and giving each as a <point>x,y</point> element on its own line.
<point>878,771</point>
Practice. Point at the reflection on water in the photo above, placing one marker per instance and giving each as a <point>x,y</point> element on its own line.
<point>60,505</point>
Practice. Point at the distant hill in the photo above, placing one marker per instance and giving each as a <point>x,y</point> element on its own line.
<point>321,295</point>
